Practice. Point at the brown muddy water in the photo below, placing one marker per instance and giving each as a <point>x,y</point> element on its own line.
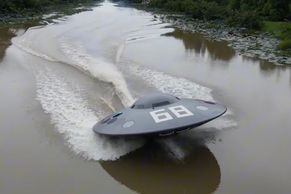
<point>58,80</point>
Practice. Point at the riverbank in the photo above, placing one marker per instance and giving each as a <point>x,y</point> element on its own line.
<point>257,44</point>
<point>45,13</point>
<point>14,24</point>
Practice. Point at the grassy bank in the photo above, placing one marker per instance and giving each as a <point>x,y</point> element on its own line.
<point>281,30</point>
<point>247,14</point>
<point>244,13</point>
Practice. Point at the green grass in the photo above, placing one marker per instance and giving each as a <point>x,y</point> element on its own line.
<point>285,44</point>
<point>276,28</point>
<point>281,30</point>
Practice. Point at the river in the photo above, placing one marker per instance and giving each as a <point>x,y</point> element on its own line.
<point>58,80</point>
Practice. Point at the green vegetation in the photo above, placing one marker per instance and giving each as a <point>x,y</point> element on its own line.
<point>249,14</point>
<point>285,44</point>
<point>29,8</point>
<point>23,14</point>
<point>242,13</point>
<point>282,30</point>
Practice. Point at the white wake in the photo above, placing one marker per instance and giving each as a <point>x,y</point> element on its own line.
<point>74,119</point>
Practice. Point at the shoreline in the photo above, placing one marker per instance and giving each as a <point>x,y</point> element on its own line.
<point>12,25</point>
<point>260,45</point>
<point>52,12</point>
<point>256,44</point>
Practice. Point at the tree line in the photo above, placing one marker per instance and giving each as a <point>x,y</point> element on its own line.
<point>22,6</point>
<point>245,13</point>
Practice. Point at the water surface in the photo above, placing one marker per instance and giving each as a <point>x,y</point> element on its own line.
<point>60,79</point>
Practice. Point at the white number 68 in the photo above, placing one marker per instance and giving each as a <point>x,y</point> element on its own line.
<point>161,115</point>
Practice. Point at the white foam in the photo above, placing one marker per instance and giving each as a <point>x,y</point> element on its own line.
<point>119,53</point>
<point>78,57</point>
<point>99,69</point>
<point>24,45</point>
<point>183,88</point>
<point>74,119</point>
<point>135,39</point>
<point>47,16</point>
<point>68,111</point>
<point>221,123</point>
<point>148,32</point>
<point>180,87</point>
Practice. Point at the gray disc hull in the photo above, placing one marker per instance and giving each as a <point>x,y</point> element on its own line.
<point>164,119</point>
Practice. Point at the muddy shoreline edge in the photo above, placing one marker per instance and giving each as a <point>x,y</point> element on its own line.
<point>255,44</point>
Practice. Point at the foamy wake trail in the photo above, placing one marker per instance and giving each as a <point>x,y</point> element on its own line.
<point>183,88</point>
<point>154,29</point>
<point>120,51</point>
<point>73,118</point>
<point>100,69</point>
<point>173,85</point>
<point>140,38</point>
<point>24,45</point>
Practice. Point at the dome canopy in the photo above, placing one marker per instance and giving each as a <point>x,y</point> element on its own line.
<point>154,100</point>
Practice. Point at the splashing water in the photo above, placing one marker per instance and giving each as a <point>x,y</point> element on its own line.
<point>99,69</point>
<point>74,119</point>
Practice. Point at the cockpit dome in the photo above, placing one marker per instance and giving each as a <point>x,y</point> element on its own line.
<point>154,100</point>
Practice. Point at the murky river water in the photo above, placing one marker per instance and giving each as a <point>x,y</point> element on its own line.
<point>58,80</point>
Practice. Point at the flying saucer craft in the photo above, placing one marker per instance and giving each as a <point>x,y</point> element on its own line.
<point>159,114</point>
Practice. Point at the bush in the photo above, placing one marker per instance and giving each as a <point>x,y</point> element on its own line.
<point>286,32</point>
<point>32,6</point>
<point>285,44</point>
<point>201,9</point>
<point>247,19</point>
<point>243,13</point>
<point>212,11</point>
<point>193,9</point>
<point>174,6</point>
